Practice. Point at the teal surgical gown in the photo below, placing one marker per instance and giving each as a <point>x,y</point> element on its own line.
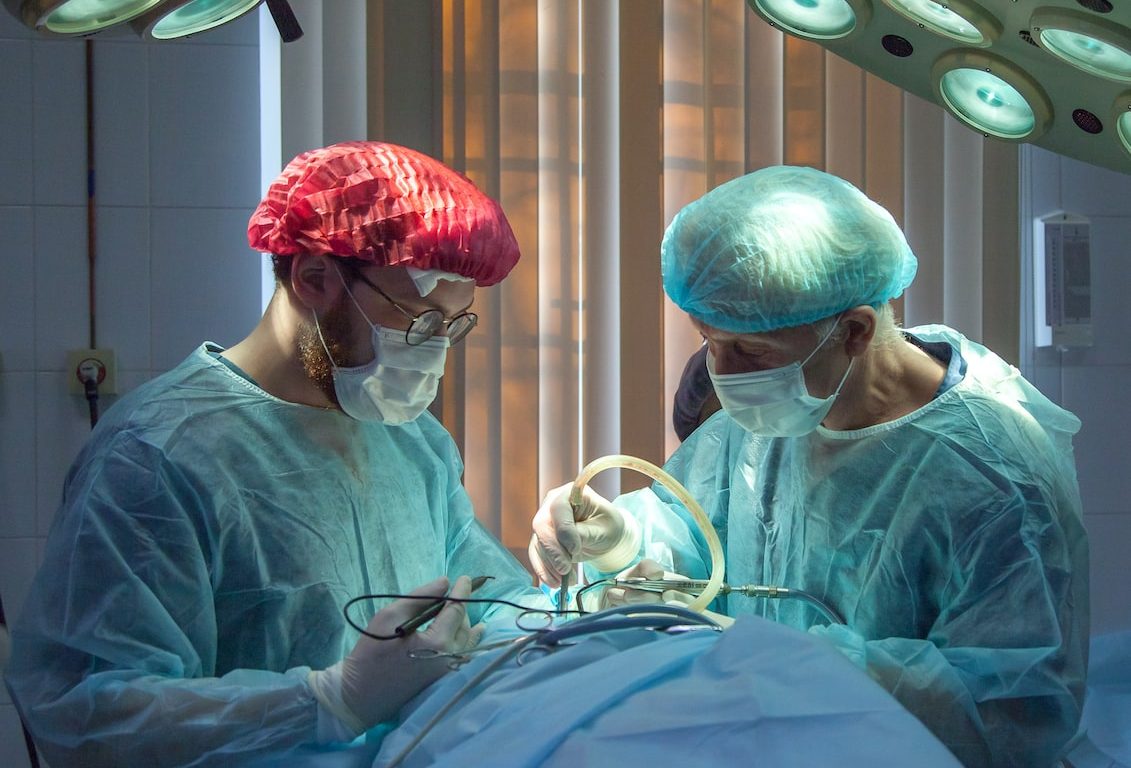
<point>208,538</point>
<point>951,540</point>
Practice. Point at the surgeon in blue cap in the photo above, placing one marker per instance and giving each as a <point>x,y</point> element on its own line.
<point>909,478</point>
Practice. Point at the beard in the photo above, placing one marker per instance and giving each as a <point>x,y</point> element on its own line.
<point>339,336</point>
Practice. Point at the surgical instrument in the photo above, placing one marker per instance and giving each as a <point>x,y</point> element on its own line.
<point>433,610</point>
<point>696,586</point>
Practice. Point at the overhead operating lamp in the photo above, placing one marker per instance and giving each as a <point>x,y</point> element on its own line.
<point>1094,46</point>
<point>69,18</point>
<point>815,19</point>
<point>962,20</point>
<point>1121,116</point>
<point>991,95</point>
<point>153,19</point>
<point>1054,73</point>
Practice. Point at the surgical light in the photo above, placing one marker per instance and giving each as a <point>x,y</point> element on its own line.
<point>965,22</point>
<point>81,17</point>
<point>991,96</point>
<point>173,21</point>
<point>815,19</point>
<point>1122,118</point>
<point>1095,46</point>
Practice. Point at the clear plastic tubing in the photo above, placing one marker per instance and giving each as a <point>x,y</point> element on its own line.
<point>718,566</point>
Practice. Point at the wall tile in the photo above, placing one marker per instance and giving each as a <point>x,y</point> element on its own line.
<point>1047,379</point>
<point>17,289</point>
<point>12,750</point>
<point>1111,578</point>
<point>12,29</point>
<point>16,122</point>
<point>121,123</point>
<point>17,454</point>
<point>62,423</point>
<point>123,285</point>
<point>61,305</point>
<point>1098,395</point>
<point>17,569</point>
<point>59,109</point>
<point>204,126</point>
<point>1045,168</point>
<point>1093,191</point>
<point>206,281</point>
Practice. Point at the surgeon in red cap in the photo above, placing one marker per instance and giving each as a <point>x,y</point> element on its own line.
<point>190,606</point>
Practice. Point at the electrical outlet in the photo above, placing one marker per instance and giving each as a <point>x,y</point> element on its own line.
<point>92,362</point>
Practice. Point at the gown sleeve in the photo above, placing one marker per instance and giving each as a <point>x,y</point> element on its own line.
<point>114,653</point>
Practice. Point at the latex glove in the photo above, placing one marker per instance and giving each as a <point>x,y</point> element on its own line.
<point>683,600</point>
<point>597,532</point>
<point>378,677</point>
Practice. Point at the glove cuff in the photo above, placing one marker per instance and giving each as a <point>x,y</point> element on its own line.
<point>624,551</point>
<point>326,685</point>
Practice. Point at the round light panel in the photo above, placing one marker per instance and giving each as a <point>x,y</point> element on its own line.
<point>1121,117</point>
<point>960,20</point>
<point>815,19</point>
<point>194,17</point>
<point>82,17</point>
<point>991,95</point>
<point>1095,46</point>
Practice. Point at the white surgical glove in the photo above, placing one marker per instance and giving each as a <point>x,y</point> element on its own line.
<point>645,569</point>
<point>379,677</point>
<point>650,569</point>
<point>596,532</point>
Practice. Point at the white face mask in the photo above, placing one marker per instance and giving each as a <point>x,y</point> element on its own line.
<point>398,384</point>
<point>774,402</point>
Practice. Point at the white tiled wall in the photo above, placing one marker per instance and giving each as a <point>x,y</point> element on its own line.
<point>1094,382</point>
<point>177,160</point>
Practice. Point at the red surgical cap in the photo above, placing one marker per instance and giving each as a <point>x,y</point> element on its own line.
<point>388,205</point>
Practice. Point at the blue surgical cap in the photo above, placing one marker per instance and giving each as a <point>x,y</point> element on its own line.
<point>781,247</point>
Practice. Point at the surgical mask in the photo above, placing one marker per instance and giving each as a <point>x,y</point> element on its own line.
<point>398,384</point>
<point>774,402</point>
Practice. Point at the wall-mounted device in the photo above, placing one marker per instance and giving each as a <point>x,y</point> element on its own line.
<point>1062,281</point>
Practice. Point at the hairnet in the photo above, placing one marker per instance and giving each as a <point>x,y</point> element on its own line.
<point>693,390</point>
<point>388,205</point>
<point>781,247</point>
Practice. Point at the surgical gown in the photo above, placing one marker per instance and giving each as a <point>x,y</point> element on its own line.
<point>951,540</point>
<point>208,538</point>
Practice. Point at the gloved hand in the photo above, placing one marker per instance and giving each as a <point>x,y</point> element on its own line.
<point>378,677</point>
<point>645,569</point>
<point>597,532</point>
<point>650,569</point>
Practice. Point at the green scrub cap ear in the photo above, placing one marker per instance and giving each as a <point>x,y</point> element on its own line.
<point>781,247</point>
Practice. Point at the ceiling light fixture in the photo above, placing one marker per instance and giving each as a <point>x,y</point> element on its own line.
<point>1094,45</point>
<point>182,18</point>
<point>70,18</point>
<point>991,95</point>
<point>961,20</point>
<point>1121,117</point>
<point>815,19</point>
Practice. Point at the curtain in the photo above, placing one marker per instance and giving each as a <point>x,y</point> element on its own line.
<point>593,122</point>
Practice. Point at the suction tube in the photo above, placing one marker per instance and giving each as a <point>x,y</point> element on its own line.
<point>718,567</point>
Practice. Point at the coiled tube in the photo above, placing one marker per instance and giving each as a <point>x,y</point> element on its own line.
<point>718,566</point>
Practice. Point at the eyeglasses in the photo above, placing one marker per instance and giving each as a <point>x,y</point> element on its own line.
<point>429,322</point>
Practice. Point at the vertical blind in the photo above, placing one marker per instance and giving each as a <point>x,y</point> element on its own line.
<point>593,122</point>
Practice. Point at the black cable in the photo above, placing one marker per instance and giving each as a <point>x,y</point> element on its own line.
<point>431,598</point>
<point>91,388</point>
